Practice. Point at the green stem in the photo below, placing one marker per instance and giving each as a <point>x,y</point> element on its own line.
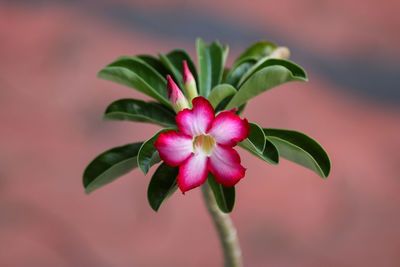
<point>226,230</point>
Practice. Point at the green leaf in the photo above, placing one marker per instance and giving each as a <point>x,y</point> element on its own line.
<point>225,74</point>
<point>257,144</point>
<point>257,51</point>
<point>236,73</point>
<point>220,92</point>
<point>224,196</point>
<point>110,165</point>
<point>176,57</point>
<point>148,154</point>
<point>140,111</point>
<point>270,153</point>
<point>210,59</point>
<point>162,185</point>
<point>301,149</point>
<point>173,62</point>
<point>156,64</point>
<point>256,139</point>
<point>135,73</point>
<point>275,72</point>
<point>266,62</point>
<point>225,53</point>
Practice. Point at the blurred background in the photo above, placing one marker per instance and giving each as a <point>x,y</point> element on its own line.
<point>51,104</point>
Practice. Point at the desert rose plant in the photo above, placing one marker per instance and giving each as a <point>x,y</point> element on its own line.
<point>199,110</point>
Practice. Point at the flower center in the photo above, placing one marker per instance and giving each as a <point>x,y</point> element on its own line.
<point>205,143</point>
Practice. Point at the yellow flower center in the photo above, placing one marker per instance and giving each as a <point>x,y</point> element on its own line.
<point>205,143</point>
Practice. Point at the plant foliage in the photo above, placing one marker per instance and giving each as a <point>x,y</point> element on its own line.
<point>255,71</point>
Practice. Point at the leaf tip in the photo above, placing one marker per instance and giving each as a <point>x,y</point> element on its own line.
<point>156,209</point>
<point>100,73</point>
<point>88,190</point>
<point>144,169</point>
<point>105,117</point>
<point>154,206</point>
<point>327,172</point>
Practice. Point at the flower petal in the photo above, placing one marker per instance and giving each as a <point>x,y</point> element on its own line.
<point>228,129</point>
<point>198,120</point>
<point>193,172</point>
<point>174,147</point>
<point>224,164</point>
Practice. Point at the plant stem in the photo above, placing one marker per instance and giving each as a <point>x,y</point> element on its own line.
<point>226,230</point>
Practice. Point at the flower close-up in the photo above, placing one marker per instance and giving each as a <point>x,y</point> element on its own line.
<point>204,142</point>
<point>199,108</point>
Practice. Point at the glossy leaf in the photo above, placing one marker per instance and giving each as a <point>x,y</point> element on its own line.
<point>110,165</point>
<point>148,154</point>
<point>256,139</point>
<point>238,70</point>
<point>220,92</point>
<point>295,69</point>
<point>156,64</point>
<point>140,111</point>
<point>162,185</point>
<point>224,196</point>
<point>210,59</point>
<point>278,72</point>
<point>176,57</point>
<point>257,144</point>
<point>257,51</point>
<point>135,73</point>
<point>270,153</point>
<point>173,62</point>
<point>301,149</point>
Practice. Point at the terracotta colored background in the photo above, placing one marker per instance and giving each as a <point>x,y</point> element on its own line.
<point>51,104</point>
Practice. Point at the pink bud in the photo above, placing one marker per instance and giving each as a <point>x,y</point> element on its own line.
<point>188,82</point>
<point>175,96</point>
<point>187,75</point>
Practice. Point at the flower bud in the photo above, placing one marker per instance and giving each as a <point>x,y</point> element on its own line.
<point>280,52</point>
<point>175,96</point>
<point>188,82</point>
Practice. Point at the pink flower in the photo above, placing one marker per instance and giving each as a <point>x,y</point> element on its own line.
<point>204,142</point>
